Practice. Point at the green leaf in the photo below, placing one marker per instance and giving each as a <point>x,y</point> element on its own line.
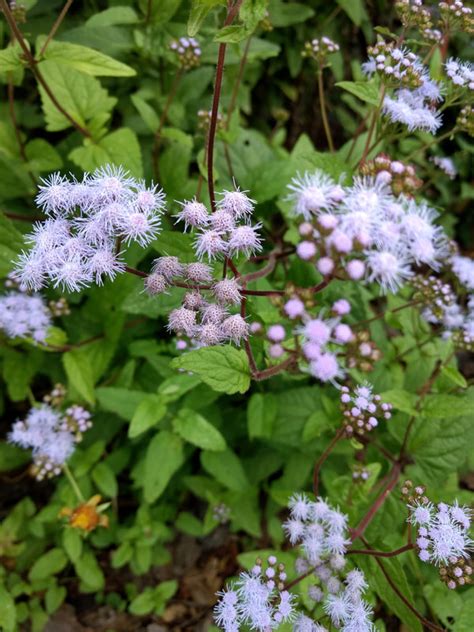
<point>148,413</point>
<point>175,244</point>
<point>121,401</point>
<point>143,603</point>
<point>48,564</point>
<point>446,406</point>
<point>192,427</point>
<point>12,457</point>
<point>454,375</point>
<point>367,91</point>
<point>72,543</point>
<point>79,372</point>
<point>401,400</point>
<point>89,572</point>
<point>159,11</point>
<point>105,479</point>
<point>355,10</point>
<point>148,114</point>
<point>10,59</point>
<point>199,11</point>
<point>84,59</point>
<point>54,597</point>
<point>113,16</point>
<point>226,468</point>
<point>284,14</point>
<point>232,34</point>
<point>225,369</point>
<point>261,415</point>
<point>379,583</point>
<point>164,457</point>
<point>121,147</point>
<point>80,95</point>
<point>7,611</point>
<point>42,156</point>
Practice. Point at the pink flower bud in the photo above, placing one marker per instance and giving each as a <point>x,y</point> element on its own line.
<point>325,265</point>
<point>306,250</point>
<point>276,333</point>
<point>355,269</point>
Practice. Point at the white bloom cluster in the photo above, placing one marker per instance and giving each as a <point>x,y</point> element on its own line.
<point>51,436</point>
<point>77,244</point>
<point>461,73</point>
<point>228,231</point>
<point>321,532</point>
<point>414,109</point>
<point>365,231</point>
<point>257,599</point>
<point>463,268</point>
<point>24,316</point>
<point>362,409</point>
<point>446,165</point>
<point>443,531</point>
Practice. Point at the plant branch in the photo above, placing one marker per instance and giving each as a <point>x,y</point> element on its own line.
<point>55,26</point>
<point>322,104</point>
<point>322,459</point>
<point>403,549</point>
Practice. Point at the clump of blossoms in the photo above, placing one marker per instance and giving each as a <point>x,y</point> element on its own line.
<point>460,73</point>
<point>188,52</point>
<point>319,49</point>
<point>362,410</point>
<point>446,165</point>
<point>51,435</point>
<point>24,316</point>
<point>398,67</point>
<point>413,14</point>
<point>442,536</point>
<point>260,599</point>
<point>401,178</point>
<point>364,231</point>
<point>89,223</point>
<point>465,120</point>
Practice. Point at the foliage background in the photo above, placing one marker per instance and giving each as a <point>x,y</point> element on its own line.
<point>167,448</point>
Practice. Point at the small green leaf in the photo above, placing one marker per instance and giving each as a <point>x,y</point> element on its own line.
<point>148,114</point>
<point>12,457</point>
<point>10,58</point>
<point>79,373</point>
<point>121,401</point>
<point>226,468</point>
<point>225,369</point>
<point>199,11</point>
<point>143,603</point>
<point>232,34</point>
<point>367,91</point>
<point>42,156</point>
<point>113,16</point>
<point>7,611</point>
<point>261,415</point>
<point>72,543</point>
<point>105,479</point>
<point>401,400</point>
<point>164,457</point>
<point>147,414</point>
<point>454,375</point>
<point>48,564</point>
<point>85,60</point>
<point>54,597</point>
<point>355,10</point>
<point>192,427</point>
<point>89,572</point>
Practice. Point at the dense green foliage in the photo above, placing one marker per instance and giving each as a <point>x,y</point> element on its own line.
<point>179,438</point>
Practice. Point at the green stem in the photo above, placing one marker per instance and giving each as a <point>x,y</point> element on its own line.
<point>322,104</point>
<point>73,482</point>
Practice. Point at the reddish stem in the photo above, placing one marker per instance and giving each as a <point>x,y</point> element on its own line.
<point>319,463</point>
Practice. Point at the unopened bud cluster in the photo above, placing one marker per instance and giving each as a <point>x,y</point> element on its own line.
<point>362,353</point>
<point>412,494</point>
<point>434,293</point>
<point>56,396</point>
<point>187,51</point>
<point>413,14</point>
<point>204,120</point>
<point>465,120</point>
<point>458,572</point>
<point>456,15</point>
<point>319,49</point>
<point>362,410</point>
<point>396,66</point>
<point>360,474</point>
<point>399,177</point>
<point>59,307</point>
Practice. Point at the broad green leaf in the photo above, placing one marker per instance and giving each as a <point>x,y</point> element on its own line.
<point>80,95</point>
<point>7,611</point>
<point>105,480</point>
<point>225,369</point>
<point>164,457</point>
<point>48,564</point>
<point>175,244</point>
<point>379,583</point>
<point>454,375</point>
<point>355,10</point>
<point>445,406</point>
<point>72,543</point>
<point>12,457</point>
<point>232,34</point>
<point>401,400</point>
<point>252,12</point>
<point>261,415</point>
<point>79,372</point>
<point>113,16</point>
<point>440,447</point>
<point>121,147</point>
<point>226,468</point>
<point>9,235</point>
<point>42,156</point>
<point>175,387</point>
<point>89,572</point>
<point>121,401</point>
<point>10,59</point>
<point>286,13</point>
<point>466,616</point>
<point>367,91</point>
<point>159,11</point>
<point>148,413</point>
<point>85,59</point>
<point>148,114</point>
<point>199,11</point>
<point>192,427</point>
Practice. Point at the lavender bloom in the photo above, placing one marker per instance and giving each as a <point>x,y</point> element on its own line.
<point>24,316</point>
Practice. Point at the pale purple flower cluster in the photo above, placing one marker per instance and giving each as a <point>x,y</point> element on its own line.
<point>362,409</point>
<point>257,599</point>
<point>24,316</point>
<point>228,231</point>
<point>363,231</point>
<point>51,436</point>
<point>446,165</point>
<point>461,73</point>
<point>443,531</point>
<point>88,221</point>
<point>463,268</point>
<point>321,531</point>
